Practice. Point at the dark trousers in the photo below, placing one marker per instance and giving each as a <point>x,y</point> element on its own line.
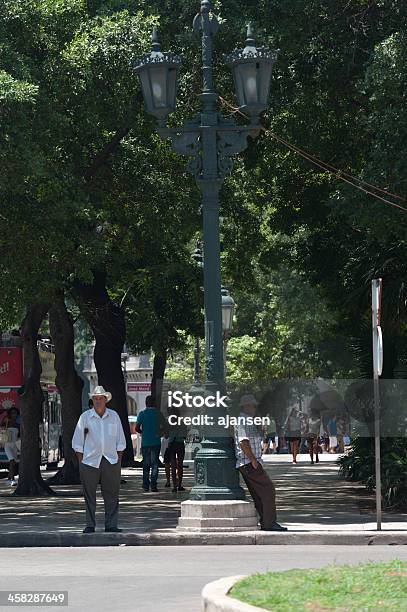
<point>177,454</point>
<point>262,491</point>
<point>108,476</point>
<point>151,457</point>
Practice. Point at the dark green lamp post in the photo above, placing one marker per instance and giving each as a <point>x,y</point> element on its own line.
<point>210,140</point>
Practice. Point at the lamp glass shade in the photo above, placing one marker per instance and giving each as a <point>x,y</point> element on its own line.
<point>252,68</point>
<point>158,76</point>
<point>228,309</point>
<point>158,73</point>
<point>249,77</point>
<point>159,85</point>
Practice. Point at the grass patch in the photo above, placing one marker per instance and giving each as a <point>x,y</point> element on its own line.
<point>367,587</point>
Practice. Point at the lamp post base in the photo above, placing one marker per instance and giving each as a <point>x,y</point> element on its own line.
<point>217,516</point>
<point>216,477</point>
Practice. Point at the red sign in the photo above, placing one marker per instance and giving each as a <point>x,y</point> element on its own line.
<point>139,386</point>
<point>11,366</point>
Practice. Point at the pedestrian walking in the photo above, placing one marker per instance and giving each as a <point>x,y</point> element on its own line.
<point>165,454</point>
<point>293,431</point>
<point>99,443</point>
<point>152,425</point>
<point>314,428</point>
<point>12,443</point>
<point>248,449</point>
<point>270,434</point>
<point>176,451</point>
<point>333,433</point>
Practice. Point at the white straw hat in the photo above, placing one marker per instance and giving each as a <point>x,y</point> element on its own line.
<point>101,391</point>
<point>248,399</point>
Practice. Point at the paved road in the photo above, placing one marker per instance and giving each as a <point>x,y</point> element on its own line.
<point>151,579</point>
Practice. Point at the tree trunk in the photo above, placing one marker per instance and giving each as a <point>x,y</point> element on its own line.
<point>107,322</point>
<point>30,482</point>
<point>159,365</point>
<point>70,387</point>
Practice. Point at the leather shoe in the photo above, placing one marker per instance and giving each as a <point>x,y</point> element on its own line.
<point>113,530</point>
<point>274,527</point>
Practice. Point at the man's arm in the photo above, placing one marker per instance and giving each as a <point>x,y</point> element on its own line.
<point>121,439</point>
<point>247,449</point>
<point>78,440</point>
<point>139,422</point>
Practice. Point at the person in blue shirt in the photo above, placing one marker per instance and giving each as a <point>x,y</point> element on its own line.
<point>152,425</point>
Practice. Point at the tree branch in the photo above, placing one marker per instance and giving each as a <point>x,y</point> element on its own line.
<point>101,158</point>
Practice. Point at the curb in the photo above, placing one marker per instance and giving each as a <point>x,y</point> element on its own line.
<point>215,597</point>
<point>328,538</point>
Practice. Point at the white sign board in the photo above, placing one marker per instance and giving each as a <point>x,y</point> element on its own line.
<point>377,330</point>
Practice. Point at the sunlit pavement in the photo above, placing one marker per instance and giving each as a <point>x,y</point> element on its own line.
<point>314,498</point>
<point>150,579</point>
<point>309,498</point>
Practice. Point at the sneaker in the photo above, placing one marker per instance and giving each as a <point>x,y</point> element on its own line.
<point>89,530</point>
<point>146,490</point>
<point>274,527</point>
<point>13,483</point>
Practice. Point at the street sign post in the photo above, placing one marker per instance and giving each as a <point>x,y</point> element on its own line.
<point>377,371</point>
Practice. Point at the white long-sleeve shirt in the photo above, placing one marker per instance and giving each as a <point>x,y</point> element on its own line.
<point>104,437</point>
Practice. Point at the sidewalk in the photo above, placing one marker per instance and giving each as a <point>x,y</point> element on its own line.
<point>311,500</point>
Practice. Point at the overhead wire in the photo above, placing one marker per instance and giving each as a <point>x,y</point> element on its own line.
<point>339,174</point>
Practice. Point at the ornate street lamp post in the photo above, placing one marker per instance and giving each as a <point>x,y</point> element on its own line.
<point>210,140</point>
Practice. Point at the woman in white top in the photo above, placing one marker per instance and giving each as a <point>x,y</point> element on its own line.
<point>12,447</point>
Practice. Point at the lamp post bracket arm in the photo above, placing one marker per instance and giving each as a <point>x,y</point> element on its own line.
<point>185,141</point>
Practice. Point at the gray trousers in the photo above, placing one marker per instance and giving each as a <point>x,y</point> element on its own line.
<point>108,476</point>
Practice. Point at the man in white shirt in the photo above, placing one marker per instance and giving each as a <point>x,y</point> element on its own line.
<point>99,443</point>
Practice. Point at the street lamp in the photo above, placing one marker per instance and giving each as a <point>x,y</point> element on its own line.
<point>158,74</point>
<point>252,68</point>
<point>210,140</point>
<point>228,309</point>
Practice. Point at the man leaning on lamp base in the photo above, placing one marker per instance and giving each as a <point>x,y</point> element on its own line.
<point>248,449</point>
<point>99,443</point>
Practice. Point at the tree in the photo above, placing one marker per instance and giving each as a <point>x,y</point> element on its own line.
<point>69,385</point>
<point>30,481</point>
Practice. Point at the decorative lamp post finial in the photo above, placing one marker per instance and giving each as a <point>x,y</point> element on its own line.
<point>250,41</point>
<point>154,39</point>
